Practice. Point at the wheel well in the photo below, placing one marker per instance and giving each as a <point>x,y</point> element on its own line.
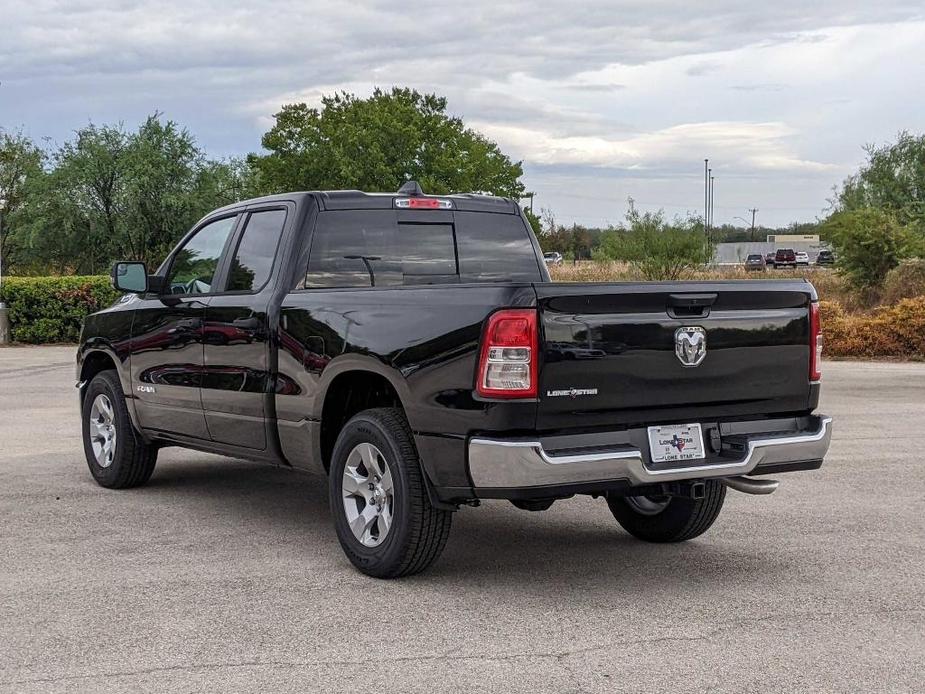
<point>350,393</point>
<point>94,363</point>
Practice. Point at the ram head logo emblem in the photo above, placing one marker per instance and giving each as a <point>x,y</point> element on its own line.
<point>690,344</point>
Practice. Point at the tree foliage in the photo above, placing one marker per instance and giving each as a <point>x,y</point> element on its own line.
<point>893,179</point>
<point>110,193</point>
<point>378,143</point>
<point>20,164</point>
<point>879,215</point>
<point>869,243</point>
<point>656,248</point>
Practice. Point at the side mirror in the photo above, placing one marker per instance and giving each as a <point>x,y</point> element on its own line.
<point>128,276</point>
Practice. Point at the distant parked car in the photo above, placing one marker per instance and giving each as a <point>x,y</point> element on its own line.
<point>552,258</point>
<point>785,257</point>
<point>825,258</point>
<point>769,258</point>
<point>802,258</point>
<point>755,261</point>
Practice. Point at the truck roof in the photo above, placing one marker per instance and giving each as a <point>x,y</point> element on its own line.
<point>359,200</point>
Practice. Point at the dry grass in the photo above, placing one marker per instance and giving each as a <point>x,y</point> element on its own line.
<point>828,284</point>
<point>888,331</point>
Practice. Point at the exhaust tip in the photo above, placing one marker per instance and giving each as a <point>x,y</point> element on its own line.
<point>747,485</point>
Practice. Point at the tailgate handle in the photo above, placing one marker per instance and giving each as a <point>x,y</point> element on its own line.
<point>690,305</point>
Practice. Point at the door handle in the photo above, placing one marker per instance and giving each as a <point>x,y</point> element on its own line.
<point>251,324</point>
<point>690,305</point>
<point>189,324</point>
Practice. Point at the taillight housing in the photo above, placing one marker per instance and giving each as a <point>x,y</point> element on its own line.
<point>508,355</point>
<point>815,343</point>
<point>423,203</point>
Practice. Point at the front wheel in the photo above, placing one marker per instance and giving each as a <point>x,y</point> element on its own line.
<point>384,520</point>
<point>117,456</point>
<point>669,518</point>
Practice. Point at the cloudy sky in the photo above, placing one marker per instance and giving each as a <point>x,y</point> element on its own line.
<point>601,100</point>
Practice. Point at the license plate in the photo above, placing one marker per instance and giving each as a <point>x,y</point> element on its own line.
<point>675,442</point>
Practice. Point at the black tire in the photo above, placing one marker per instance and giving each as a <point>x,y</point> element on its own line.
<point>133,460</point>
<point>682,519</point>
<point>418,531</point>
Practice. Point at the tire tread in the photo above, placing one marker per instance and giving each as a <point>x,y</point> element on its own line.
<point>428,527</point>
<point>683,519</point>
<point>137,459</point>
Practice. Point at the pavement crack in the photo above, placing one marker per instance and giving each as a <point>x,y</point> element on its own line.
<point>559,656</point>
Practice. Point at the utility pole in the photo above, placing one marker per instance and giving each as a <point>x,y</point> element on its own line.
<point>4,311</point>
<point>706,193</point>
<point>711,200</point>
<point>754,211</point>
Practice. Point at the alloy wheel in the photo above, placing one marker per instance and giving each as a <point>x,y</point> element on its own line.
<point>103,430</point>
<point>368,494</point>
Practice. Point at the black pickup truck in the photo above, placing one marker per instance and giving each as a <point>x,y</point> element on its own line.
<point>413,349</point>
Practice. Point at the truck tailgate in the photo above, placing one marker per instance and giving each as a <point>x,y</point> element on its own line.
<point>610,358</point>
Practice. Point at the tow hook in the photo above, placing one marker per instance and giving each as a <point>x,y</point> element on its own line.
<point>750,486</point>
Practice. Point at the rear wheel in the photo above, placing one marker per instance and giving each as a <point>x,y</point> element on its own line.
<point>117,456</point>
<point>669,518</point>
<point>384,520</point>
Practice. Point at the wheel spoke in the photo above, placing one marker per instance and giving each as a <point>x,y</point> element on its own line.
<point>385,519</point>
<point>386,481</point>
<point>106,410</point>
<point>370,456</point>
<point>355,484</point>
<point>363,522</point>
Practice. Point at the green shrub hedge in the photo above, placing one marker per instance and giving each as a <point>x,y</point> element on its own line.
<point>51,309</point>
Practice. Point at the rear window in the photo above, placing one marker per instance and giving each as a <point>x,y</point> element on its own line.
<point>364,248</point>
<point>753,257</point>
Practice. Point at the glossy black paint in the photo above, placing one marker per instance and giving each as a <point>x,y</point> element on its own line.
<point>166,360</point>
<point>248,373</point>
<point>619,339</point>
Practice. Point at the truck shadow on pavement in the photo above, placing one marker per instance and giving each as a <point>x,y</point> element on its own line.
<point>576,543</point>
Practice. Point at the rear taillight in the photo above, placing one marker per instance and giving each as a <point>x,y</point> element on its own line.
<point>508,357</point>
<point>815,343</point>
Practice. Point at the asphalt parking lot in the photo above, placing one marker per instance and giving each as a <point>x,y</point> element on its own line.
<point>223,575</point>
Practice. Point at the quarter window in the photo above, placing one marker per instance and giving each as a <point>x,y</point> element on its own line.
<point>194,265</point>
<point>253,261</point>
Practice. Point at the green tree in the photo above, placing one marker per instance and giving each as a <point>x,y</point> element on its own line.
<point>869,242</point>
<point>21,162</point>
<point>162,168</point>
<point>376,144</point>
<point>656,248</point>
<point>893,179</point>
<point>113,194</point>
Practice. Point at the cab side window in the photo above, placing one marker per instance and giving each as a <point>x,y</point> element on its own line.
<point>194,265</point>
<point>253,260</point>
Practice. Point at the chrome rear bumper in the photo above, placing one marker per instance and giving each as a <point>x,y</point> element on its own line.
<point>499,463</point>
